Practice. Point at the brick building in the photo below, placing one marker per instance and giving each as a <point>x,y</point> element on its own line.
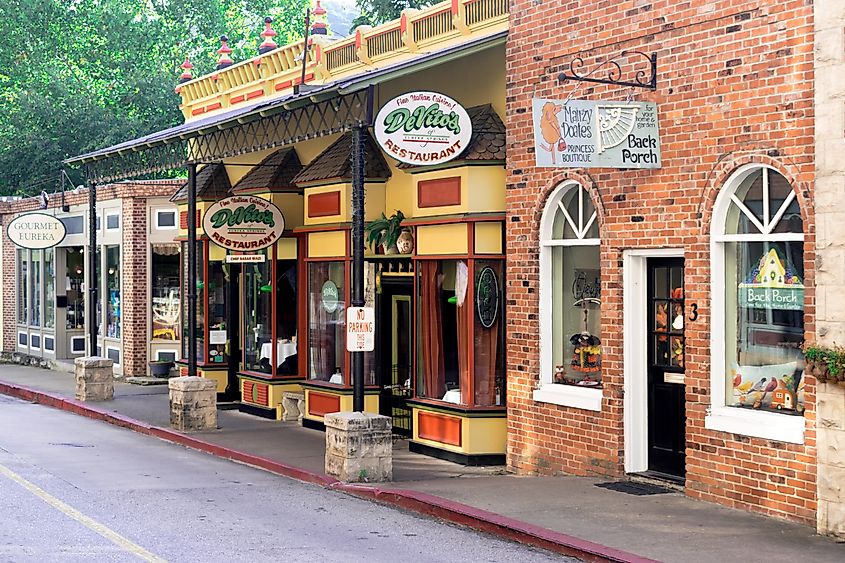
<point>705,264</point>
<point>44,297</point>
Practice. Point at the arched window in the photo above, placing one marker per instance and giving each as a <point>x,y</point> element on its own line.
<point>570,293</point>
<point>757,246</point>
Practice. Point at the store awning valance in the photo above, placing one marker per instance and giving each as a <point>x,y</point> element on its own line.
<point>328,109</point>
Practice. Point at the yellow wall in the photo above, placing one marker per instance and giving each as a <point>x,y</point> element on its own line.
<point>486,188</point>
<point>327,245</point>
<point>479,435</point>
<point>442,239</point>
<point>371,402</point>
<point>488,238</point>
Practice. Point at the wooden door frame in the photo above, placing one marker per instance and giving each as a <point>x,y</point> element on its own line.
<point>635,352</point>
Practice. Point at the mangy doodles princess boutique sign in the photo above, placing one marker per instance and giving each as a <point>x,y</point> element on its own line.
<point>36,231</point>
<point>423,128</point>
<point>586,134</point>
<point>243,223</point>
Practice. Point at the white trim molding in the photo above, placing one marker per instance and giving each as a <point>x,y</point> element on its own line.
<point>758,424</point>
<point>587,398</point>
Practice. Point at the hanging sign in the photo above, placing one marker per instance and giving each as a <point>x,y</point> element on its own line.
<point>590,134</point>
<point>36,231</point>
<point>772,286</point>
<point>487,297</point>
<point>360,329</point>
<point>423,128</point>
<point>243,222</point>
<point>330,295</point>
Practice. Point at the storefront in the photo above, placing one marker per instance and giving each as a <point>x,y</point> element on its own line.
<point>667,277</point>
<point>48,294</point>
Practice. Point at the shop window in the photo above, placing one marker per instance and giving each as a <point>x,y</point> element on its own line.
<point>165,291</point>
<point>49,288</point>
<point>218,335</point>
<point>35,288</point>
<point>74,280</point>
<point>113,354</point>
<point>165,219</point>
<point>23,339</point>
<point>200,292</point>
<point>258,342</point>
<point>74,225</point>
<point>570,294</point>
<point>49,343</point>
<point>77,344</point>
<point>286,358</point>
<point>112,221</point>
<point>23,285</point>
<point>489,334</point>
<point>35,341</point>
<point>112,293</point>
<point>758,306</point>
<point>442,317</point>
<point>166,355</point>
<point>326,321</point>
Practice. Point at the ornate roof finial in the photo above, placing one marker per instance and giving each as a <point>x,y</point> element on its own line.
<point>268,34</point>
<point>224,50</point>
<point>318,17</point>
<point>186,71</point>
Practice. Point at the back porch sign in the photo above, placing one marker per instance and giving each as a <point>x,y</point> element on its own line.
<point>595,134</point>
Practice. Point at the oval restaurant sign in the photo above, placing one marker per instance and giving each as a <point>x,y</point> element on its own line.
<point>423,128</point>
<point>36,231</point>
<point>244,223</point>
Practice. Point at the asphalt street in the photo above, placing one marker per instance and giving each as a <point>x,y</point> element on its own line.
<point>73,489</point>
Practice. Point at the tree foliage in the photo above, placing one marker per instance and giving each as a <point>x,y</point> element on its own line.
<point>374,12</point>
<point>76,75</point>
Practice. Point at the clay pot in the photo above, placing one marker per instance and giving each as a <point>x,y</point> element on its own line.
<point>390,250</point>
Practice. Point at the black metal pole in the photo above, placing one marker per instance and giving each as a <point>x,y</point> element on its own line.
<point>93,325</point>
<point>358,157</point>
<point>192,270</point>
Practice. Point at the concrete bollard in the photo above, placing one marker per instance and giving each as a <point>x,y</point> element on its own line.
<point>94,379</point>
<point>193,403</point>
<point>359,447</point>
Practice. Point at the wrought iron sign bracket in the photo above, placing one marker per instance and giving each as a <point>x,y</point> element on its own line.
<point>644,78</point>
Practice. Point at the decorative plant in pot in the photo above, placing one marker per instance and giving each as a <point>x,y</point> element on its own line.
<point>825,363</point>
<point>384,232</point>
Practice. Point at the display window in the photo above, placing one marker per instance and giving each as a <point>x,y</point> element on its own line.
<point>35,288</point>
<point>570,290</point>
<point>50,288</point>
<point>270,316</point>
<point>23,285</point>
<point>112,295</point>
<point>489,333</point>
<point>762,255</point>
<point>326,321</point>
<point>201,257</point>
<point>74,283</point>
<point>165,291</point>
<point>215,289</point>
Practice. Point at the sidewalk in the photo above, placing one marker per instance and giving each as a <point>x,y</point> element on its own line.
<point>566,514</point>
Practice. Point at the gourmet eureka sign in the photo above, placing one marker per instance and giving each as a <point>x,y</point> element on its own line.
<point>243,223</point>
<point>423,128</point>
<point>36,231</point>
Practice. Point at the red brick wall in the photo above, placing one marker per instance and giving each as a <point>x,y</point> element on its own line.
<point>135,287</point>
<point>8,300</point>
<point>734,85</point>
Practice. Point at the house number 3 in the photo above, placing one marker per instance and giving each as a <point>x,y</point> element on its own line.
<point>694,314</point>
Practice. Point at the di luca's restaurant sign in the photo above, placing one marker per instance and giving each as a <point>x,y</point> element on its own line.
<point>423,128</point>
<point>243,223</point>
<point>36,231</point>
<point>588,134</point>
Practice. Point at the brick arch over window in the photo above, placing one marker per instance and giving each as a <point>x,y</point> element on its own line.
<point>584,180</point>
<point>725,169</point>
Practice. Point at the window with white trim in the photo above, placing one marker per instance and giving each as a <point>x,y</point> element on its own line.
<point>570,293</point>
<point>757,246</point>
<point>165,219</point>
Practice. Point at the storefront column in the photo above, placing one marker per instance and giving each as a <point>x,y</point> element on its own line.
<point>134,303</point>
<point>92,320</point>
<point>192,270</point>
<point>358,163</point>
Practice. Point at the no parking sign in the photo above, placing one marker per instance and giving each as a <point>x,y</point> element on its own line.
<point>360,329</point>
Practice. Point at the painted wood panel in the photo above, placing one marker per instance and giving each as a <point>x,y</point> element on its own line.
<point>439,428</point>
<point>439,192</point>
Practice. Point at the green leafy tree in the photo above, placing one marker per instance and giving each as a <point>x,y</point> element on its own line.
<point>374,12</point>
<point>76,75</point>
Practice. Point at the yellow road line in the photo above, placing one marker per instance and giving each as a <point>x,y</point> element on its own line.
<point>107,533</point>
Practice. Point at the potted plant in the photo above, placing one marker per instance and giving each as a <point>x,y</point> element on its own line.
<point>384,232</point>
<point>160,368</point>
<point>825,363</point>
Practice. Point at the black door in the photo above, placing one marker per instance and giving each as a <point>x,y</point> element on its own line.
<point>394,332</point>
<point>666,347</point>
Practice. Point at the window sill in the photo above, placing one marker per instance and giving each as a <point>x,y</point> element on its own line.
<point>570,396</point>
<point>767,425</point>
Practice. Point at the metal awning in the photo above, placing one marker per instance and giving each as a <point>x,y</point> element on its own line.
<point>328,109</point>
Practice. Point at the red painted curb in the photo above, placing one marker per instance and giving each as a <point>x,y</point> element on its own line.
<point>416,501</point>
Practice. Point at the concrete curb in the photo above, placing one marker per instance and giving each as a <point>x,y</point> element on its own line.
<point>415,501</point>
